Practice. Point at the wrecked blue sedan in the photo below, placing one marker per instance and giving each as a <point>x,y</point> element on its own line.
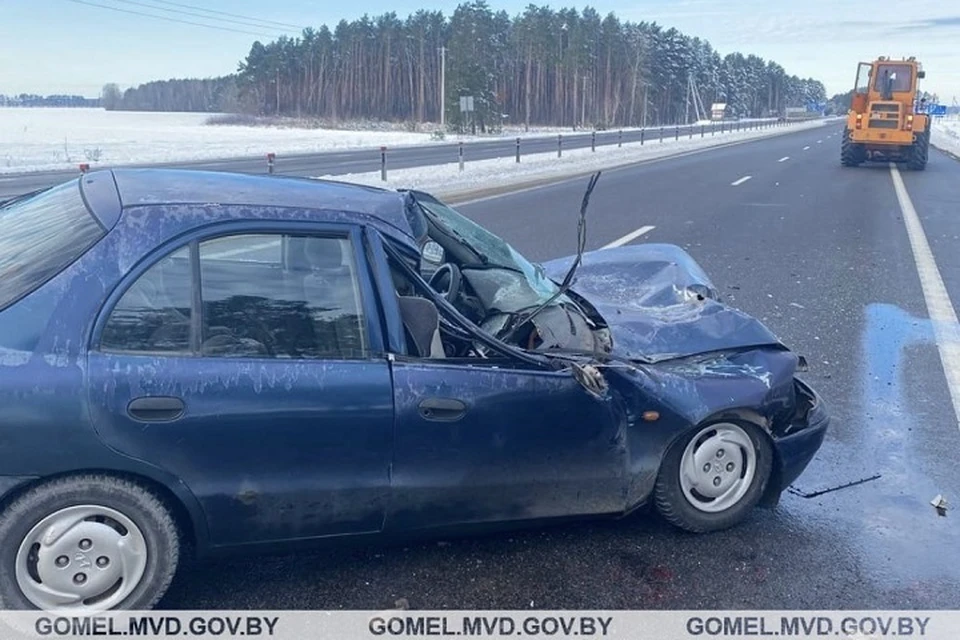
<point>208,361</point>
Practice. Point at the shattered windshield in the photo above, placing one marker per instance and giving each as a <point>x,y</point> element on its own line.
<point>492,250</point>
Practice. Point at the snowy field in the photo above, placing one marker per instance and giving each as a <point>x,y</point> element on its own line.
<point>52,138</point>
<point>48,139</point>
<point>446,180</point>
<point>946,135</point>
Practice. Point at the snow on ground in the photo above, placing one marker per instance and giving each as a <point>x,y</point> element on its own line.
<point>446,180</point>
<point>60,138</point>
<point>45,139</point>
<point>946,134</point>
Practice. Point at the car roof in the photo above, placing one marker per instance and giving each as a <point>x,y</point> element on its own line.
<point>152,187</point>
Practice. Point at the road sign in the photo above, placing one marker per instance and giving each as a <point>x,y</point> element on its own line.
<point>938,110</point>
<point>466,103</point>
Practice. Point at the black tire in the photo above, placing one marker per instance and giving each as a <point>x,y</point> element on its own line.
<point>851,153</point>
<point>920,152</point>
<point>676,509</point>
<point>137,503</point>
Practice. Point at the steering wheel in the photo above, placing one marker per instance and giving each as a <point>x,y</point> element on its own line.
<point>450,273</point>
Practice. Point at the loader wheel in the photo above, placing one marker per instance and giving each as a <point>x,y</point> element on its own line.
<point>920,152</point>
<point>851,153</point>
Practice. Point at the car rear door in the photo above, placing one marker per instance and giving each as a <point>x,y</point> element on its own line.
<point>483,441</point>
<point>242,363</point>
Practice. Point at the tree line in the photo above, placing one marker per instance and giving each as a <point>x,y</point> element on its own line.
<point>563,67</point>
<point>56,100</point>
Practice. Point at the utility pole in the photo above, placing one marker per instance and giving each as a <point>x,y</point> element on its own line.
<point>443,86</point>
<point>646,88</point>
<point>583,104</point>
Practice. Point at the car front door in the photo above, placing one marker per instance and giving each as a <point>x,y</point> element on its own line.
<point>244,364</point>
<point>483,441</point>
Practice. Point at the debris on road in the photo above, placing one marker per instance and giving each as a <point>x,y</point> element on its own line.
<point>940,504</point>
<point>797,492</point>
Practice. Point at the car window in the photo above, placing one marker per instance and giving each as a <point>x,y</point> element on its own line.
<point>41,235</point>
<point>280,296</point>
<point>154,314</point>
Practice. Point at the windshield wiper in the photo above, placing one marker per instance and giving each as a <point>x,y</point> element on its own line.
<point>568,279</point>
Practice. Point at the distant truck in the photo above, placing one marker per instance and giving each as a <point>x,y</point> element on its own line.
<point>885,122</point>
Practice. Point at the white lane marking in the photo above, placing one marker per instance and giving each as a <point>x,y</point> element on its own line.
<point>740,181</point>
<point>805,148</point>
<point>784,159</point>
<point>630,237</point>
<point>819,141</point>
<point>946,329</point>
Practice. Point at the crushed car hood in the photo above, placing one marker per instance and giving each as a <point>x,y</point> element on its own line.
<point>659,303</point>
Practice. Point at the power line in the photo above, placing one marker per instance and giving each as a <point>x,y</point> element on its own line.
<point>150,15</point>
<point>226,13</point>
<point>245,23</point>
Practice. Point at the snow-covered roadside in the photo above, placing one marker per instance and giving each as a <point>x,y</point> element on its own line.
<point>446,180</point>
<point>50,139</point>
<point>54,138</point>
<point>946,135</point>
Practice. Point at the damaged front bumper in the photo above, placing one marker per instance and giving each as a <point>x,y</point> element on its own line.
<point>803,436</point>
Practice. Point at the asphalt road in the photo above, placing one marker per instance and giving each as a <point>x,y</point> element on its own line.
<point>821,253</point>
<point>364,160</point>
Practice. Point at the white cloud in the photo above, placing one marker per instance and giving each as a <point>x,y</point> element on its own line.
<point>819,38</point>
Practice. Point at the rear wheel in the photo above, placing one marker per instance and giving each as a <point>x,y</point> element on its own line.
<point>920,152</point>
<point>852,154</point>
<point>87,543</point>
<point>712,479</point>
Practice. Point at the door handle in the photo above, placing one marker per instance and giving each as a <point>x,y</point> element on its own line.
<point>442,409</point>
<point>156,408</point>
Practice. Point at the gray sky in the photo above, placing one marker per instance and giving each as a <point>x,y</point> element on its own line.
<point>64,46</point>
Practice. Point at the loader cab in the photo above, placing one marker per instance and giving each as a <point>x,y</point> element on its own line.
<point>885,80</point>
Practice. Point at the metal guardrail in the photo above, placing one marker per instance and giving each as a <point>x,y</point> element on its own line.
<point>609,137</point>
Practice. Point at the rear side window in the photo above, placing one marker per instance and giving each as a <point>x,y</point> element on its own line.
<point>154,315</point>
<point>40,236</point>
<point>255,304</point>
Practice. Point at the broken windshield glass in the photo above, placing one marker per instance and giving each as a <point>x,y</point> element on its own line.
<point>493,251</point>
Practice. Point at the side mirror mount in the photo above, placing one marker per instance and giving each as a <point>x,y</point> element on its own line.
<point>921,74</point>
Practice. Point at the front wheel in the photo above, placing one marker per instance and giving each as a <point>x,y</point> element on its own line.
<point>712,479</point>
<point>851,153</point>
<point>88,543</point>
<point>920,152</point>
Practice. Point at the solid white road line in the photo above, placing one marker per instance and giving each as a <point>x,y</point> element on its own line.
<point>740,181</point>
<point>630,237</point>
<point>946,329</point>
<point>784,159</point>
<point>805,148</point>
